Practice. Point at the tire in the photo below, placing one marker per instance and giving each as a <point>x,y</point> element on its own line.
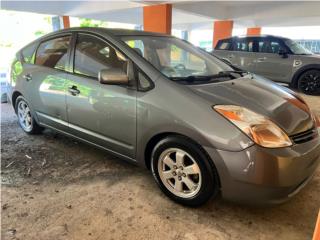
<point>309,82</point>
<point>190,186</point>
<point>25,118</point>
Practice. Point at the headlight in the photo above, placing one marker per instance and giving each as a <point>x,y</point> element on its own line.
<point>315,119</point>
<point>257,127</point>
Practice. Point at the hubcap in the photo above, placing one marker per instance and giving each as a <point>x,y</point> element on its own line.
<point>310,83</point>
<point>24,116</point>
<point>179,172</point>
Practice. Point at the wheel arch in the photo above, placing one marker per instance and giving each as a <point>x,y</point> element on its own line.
<point>15,95</point>
<point>302,70</point>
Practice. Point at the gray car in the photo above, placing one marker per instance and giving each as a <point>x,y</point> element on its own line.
<point>276,58</point>
<point>200,126</point>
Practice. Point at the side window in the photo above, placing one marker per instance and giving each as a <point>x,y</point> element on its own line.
<point>28,53</point>
<point>224,44</point>
<point>93,54</point>
<point>53,53</point>
<point>269,46</point>
<point>243,45</point>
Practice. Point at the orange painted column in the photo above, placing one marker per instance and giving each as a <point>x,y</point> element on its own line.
<point>157,18</point>
<point>221,30</point>
<point>254,31</point>
<point>316,234</point>
<point>66,21</point>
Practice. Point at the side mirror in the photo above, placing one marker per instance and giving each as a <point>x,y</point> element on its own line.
<point>113,77</point>
<point>283,53</point>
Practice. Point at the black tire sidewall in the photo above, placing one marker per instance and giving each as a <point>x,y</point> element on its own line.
<point>316,71</point>
<point>210,182</point>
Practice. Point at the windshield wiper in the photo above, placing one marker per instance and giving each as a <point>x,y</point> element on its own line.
<point>210,78</point>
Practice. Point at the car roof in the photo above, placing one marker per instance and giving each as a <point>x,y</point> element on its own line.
<point>261,36</point>
<point>109,31</point>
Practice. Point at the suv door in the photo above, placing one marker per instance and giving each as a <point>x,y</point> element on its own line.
<point>99,113</point>
<point>242,54</point>
<point>271,64</point>
<point>47,78</point>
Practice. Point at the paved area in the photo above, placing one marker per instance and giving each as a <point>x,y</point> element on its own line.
<point>56,188</point>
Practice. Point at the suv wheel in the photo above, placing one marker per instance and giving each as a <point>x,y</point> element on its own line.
<point>26,120</point>
<point>309,82</point>
<point>183,171</point>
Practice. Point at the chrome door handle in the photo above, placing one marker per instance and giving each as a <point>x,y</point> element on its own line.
<point>261,59</point>
<point>27,77</point>
<point>231,56</point>
<point>74,90</point>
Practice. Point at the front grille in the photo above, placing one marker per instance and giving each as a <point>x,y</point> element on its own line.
<point>304,136</point>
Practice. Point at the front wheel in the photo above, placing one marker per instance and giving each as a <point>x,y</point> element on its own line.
<point>25,118</point>
<point>183,171</point>
<point>309,82</point>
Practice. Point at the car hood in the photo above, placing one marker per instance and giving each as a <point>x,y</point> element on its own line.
<point>261,96</point>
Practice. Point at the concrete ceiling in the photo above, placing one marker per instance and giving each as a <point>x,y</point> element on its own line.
<point>186,14</point>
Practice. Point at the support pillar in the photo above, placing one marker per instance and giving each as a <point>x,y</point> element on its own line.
<point>158,18</point>
<point>60,22</point>
<point>254,31</point>
<point>221,30</point>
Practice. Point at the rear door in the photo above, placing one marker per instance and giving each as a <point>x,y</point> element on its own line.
<point>102,114</point>
<point>242,54</point>
<point>269,63</point>
<point>46,79</point>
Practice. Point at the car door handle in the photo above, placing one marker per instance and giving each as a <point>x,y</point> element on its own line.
<point>27,77</point>
<point>231,56</point>
<point>261,59</point>
<point>74,90</point>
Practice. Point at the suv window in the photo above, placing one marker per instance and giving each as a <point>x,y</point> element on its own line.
<point>243,44</point>
<point>28,53</point>
<point>53,53</point>
<point>93,54</point>
<point>270,46</point>
<point>224,44</point>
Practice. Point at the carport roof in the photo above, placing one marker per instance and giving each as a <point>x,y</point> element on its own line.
<point>186,14</point>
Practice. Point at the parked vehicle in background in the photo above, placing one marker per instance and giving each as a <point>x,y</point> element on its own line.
<point>4,81</point>
<point>200,126</point>
<point>276,58</point>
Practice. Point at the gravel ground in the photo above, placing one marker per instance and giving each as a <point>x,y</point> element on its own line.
<point>56,188</point>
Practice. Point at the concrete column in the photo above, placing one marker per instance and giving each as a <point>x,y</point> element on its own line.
<point>254,31</point>
<point>158,18</point>
<point>60,22</point>
<point>221,30</point>
<point>185,35</point>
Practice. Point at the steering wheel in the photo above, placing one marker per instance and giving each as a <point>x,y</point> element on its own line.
<point>180,66</point>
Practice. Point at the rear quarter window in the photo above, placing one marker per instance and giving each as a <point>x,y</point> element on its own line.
<point>224,45</point>
<point>28,53</point>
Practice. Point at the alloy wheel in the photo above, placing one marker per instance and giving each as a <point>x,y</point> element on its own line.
<point>179,172</point>
<point>24,116</point>
<point>310,83</point>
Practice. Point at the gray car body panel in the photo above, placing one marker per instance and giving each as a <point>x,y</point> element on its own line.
<point>123,120</point>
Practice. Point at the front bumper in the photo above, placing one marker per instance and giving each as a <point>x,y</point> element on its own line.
<point>260,175</point>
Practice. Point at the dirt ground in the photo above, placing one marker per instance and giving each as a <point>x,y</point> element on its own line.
<point>56,188</point>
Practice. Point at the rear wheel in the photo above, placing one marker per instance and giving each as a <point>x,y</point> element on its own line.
<point>183,171</point>
<point>309,82</point>
<point>25,118</point>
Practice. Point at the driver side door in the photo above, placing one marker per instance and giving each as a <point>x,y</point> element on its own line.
<point>101,114</point>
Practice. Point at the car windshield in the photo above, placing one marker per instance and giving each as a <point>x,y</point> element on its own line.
<point>296,48</point>
<point>177,59</point>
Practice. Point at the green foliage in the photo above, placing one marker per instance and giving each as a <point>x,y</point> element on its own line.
<point>39,33</point>
<point>87,22</point>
